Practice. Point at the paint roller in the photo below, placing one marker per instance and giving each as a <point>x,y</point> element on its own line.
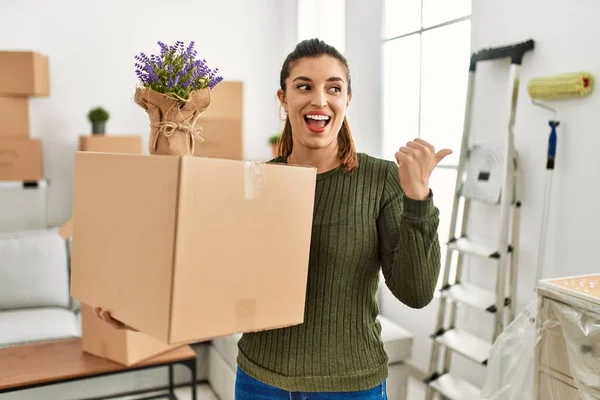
<point>558,87</point>
<point>575,84</point>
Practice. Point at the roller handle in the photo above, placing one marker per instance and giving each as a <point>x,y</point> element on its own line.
<point>515,52</point>
<point>552,145</point>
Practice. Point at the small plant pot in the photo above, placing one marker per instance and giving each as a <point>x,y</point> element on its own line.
<point>98,127</point>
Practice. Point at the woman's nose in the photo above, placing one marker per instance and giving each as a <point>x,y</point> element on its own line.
<point>319,99</point>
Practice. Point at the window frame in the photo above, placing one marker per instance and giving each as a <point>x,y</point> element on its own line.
<point>419,32</point>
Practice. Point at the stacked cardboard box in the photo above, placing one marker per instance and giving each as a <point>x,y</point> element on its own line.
<point>129,144</point>
<point>98,337</point>
<point>222,123</point>
<point>23,74</point>
<point>119,345</point>
<point>186,249</point>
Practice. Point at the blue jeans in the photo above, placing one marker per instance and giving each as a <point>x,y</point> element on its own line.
<point>248,388</point>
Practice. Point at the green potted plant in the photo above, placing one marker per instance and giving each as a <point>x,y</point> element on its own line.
<point>274,142</point>
<point>98,117</point>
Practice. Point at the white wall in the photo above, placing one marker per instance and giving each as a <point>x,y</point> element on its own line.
<point>328,24</point>
<point>565,35</point>
<point>91,46</point>
<point>289,24</point>
<point>363,51</point>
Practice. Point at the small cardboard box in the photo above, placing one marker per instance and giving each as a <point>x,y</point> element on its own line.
<point>222,139</point>
<point>24,73</point>
<point>130,144</point>
<point>14,117</point>
<point>20,160</point>
<point>189,248</point>
<point>122,346</point>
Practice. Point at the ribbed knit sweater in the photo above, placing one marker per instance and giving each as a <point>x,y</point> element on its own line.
<point>362,224</point>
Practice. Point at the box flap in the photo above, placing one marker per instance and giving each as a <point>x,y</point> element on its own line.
<point>124,214</point>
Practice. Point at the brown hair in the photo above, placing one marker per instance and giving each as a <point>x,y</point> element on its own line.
<point>315,48</point>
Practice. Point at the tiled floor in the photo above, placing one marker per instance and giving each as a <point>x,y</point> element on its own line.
<point>415,392</point>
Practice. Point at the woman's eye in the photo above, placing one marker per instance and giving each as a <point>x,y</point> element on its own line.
<point>335,89</point>
<point>303,87</point>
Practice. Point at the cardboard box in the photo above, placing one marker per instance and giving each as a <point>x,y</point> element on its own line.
<point>20,160</point>
<point>189,248</point>
<point>131,144</point>
<point>14,117</point>
<point>122,346</point>
<point>226,101</point>
<point>222,139</point>
<point>128,144</point>
<point>222,123</point>
<point>24,73</point>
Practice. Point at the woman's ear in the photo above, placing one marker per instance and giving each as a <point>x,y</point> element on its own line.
<point>282,100</point>
<point>349,99</point>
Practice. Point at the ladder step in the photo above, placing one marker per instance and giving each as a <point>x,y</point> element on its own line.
<point>455,388</point>
<point>469,246</point>
<point>472,296</point>
<point>465,344</point>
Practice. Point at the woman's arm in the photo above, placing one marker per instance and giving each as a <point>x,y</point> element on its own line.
<point>408,243</point>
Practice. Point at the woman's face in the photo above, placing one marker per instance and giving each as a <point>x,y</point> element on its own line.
<point>315,100</point>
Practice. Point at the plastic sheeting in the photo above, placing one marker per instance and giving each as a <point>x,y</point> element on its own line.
<point>510,368</point>
<point>551,351</point>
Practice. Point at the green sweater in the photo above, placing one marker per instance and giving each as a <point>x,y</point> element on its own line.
<point>362,224</point>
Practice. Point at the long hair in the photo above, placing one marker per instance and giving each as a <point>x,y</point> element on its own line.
<point>314,48</point>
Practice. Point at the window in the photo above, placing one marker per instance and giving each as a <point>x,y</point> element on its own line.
<point>426,52</point>
<point>323,19</point>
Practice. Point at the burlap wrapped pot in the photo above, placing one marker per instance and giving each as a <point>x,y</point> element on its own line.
<point>172,127</point>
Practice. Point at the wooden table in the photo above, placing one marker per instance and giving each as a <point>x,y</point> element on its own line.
<point>47,363</point>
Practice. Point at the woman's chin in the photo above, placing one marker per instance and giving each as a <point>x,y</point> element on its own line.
<point>316,143</point>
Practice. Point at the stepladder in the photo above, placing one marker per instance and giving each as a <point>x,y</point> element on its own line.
<point>487,174</point>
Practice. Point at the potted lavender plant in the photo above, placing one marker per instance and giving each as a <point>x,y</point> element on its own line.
<point>174,88</point>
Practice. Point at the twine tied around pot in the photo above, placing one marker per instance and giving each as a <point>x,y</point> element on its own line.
<point>168,128</point>
<point>172,124</point>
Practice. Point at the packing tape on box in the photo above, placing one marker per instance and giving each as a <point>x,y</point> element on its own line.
<point>255,179</point>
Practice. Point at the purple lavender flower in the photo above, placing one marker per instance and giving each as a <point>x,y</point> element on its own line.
<point>214,82</point>
<point>163,48</point>
<point>175,70</point>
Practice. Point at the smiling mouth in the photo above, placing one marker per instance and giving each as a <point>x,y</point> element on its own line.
<point>317,122</point>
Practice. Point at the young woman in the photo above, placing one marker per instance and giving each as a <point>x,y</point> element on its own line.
<point>369,215</point>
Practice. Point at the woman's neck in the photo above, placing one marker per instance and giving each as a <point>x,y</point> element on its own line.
<point>322,159</point>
